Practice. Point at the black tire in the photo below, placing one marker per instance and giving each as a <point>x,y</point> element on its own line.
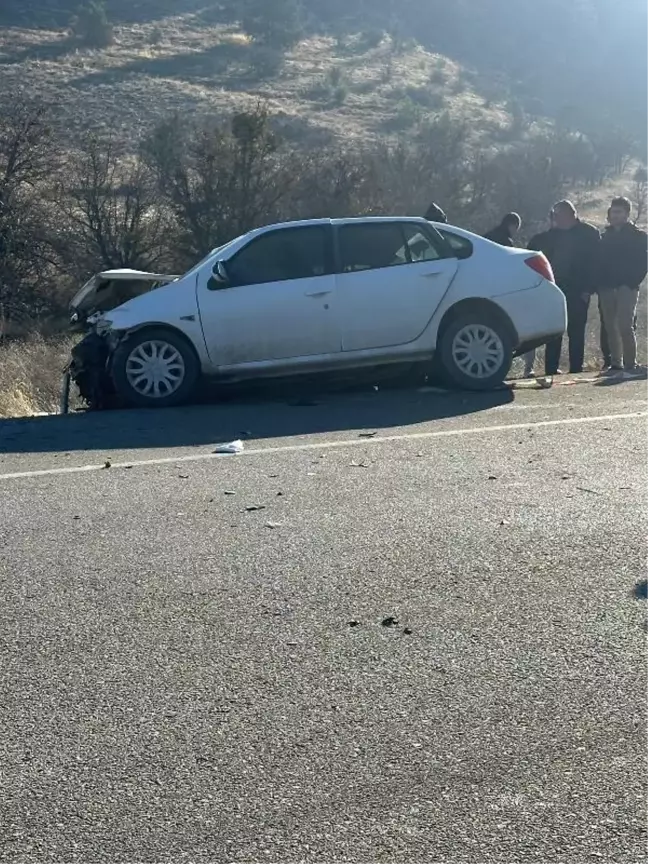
<point>183,376</point>
<point>497,335</point>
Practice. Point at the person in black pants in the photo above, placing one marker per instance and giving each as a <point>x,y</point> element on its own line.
<point>574,259</point>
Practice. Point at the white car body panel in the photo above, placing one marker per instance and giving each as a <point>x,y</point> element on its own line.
<point>173,305</point>
<point>375,316</point>
<point>386,315</point>
<point>269,322</point>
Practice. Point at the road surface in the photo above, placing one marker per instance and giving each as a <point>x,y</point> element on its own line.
<point>423,645</point>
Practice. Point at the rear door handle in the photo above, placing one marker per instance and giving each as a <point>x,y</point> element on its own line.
<point>317,293</point>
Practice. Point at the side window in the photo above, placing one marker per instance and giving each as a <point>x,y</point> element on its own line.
<point>288,253</point>
<point>419,244</point>
<point>461,247</point>
<point>372,246</point>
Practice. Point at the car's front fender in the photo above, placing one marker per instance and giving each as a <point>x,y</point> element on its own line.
<point>172,306</point>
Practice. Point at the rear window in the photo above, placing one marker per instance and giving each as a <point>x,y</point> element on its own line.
<point>461,246</point>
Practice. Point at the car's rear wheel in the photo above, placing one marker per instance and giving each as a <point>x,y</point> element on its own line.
<point>476,350</point>
<point>155,368</point>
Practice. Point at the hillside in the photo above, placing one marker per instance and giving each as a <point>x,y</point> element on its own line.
<point>323,87</point>
<point>582,63</point>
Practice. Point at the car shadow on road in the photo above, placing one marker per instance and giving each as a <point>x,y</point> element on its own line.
<point>253,414</point>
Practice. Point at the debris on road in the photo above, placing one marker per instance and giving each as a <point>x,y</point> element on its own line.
<point>107,464</point>
<point>407,631</point>
<point>359,465</point>
<point>229,492</point>
<point>273,525</point>
<point>354,623</point>
<point>230,449</point>
<point>390,621</point>
<point>367,435</point>
<point>251,508</point>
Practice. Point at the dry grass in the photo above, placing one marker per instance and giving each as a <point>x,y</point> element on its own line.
<point>209,70</point>
<point>30,375</point>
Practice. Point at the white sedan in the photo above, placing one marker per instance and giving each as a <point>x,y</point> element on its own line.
<point>319,296</point>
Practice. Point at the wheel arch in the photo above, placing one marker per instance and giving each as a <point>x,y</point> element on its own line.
<point>485,307</point>
<point>161,326</point>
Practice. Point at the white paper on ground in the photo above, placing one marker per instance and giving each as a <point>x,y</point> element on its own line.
<point>230,449</point>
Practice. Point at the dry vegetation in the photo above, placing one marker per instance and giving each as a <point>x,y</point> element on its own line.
<point>30,375</point>
<point>322,87</point>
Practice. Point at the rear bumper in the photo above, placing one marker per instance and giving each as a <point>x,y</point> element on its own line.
<point>538,314</point>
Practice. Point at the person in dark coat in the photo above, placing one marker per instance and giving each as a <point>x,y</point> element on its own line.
<point>573,252</point>
<point>435,214</point>
<point>623,264</point>
<point>506,230</point>
<point>541,242</point>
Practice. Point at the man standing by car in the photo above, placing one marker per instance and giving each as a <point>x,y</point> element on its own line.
<point>623,267</point>
<point>505,231</point>
<point>542,242</point>
<point>574,256</point>
<point>503,235</point>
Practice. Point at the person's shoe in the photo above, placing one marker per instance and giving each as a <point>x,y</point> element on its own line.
<point>529,373</point>
<point>612,372</point>
<point>575,371</point>
<point>636,370</point>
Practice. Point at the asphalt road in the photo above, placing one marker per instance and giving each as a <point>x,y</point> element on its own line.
<point>187,679</point>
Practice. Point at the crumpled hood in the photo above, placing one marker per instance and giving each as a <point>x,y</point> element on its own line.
<point>113,288</point>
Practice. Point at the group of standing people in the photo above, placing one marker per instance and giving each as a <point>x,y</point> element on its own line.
<point>612,265</point>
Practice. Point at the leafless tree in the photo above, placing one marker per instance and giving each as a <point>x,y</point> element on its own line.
<point>113,212</point>
<point>27,159</point>
<point>220,181</point>
<point>640,193</point>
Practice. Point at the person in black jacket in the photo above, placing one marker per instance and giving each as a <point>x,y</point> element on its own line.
<point>623,264</point>
<point>506,230</point>
<point>574,256</point>
<point>435,214</point>
<point>542,242</point>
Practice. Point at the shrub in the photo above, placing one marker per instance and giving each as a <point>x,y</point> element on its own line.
<point>277,25</point>
<point>91,25</point>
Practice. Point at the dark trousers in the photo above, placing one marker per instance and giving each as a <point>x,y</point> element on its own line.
<point>577,310</point>
<point>605,345</point>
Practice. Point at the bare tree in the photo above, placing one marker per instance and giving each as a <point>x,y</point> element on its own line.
<point>113,212</point>
<point>27,158</point>
<point>220,181</point>
<point>640,193</point>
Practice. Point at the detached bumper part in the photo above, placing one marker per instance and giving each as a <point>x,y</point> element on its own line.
<point>90,371</point>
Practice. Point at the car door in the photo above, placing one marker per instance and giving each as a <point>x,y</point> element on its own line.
<point>392,277</point>
<point>277,300</point>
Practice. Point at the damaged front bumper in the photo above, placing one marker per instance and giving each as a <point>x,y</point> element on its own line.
<point>89,370</point>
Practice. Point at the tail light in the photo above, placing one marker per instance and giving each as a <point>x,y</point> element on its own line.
<point>541,266</point>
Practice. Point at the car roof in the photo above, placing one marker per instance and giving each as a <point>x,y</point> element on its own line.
<point>352,220</point>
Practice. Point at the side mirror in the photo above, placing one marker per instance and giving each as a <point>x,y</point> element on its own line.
<point>220,272</point>
<point>219,277</point>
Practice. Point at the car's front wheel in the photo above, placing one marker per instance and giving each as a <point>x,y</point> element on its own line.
<point>155,369</point>
<point>476,351</point>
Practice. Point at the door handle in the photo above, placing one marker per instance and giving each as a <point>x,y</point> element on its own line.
<point>317,293</point>
<point>432,274</point>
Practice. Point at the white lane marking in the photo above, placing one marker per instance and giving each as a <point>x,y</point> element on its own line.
<point>327,445</point>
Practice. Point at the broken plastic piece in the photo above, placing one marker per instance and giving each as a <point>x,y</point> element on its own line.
<point>230,449</point>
